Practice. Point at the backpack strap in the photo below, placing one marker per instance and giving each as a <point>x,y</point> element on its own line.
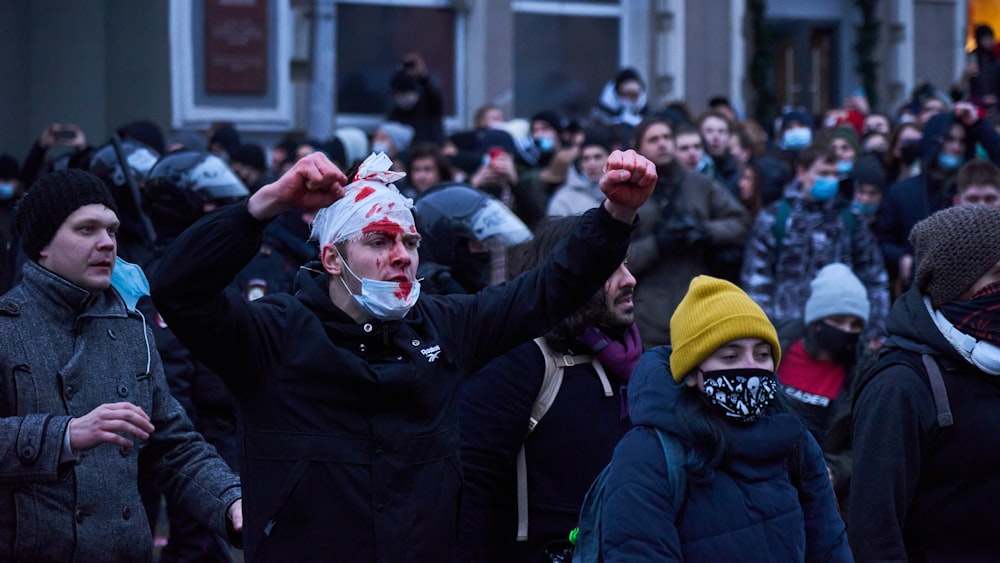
<point>673,452</point>
<point>587,536</point>
<point>555,365</point>
<point>780,225</point>
<point>939,391</point>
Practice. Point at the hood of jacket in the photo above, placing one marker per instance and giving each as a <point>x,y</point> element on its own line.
<point>577,181</point>
<point>653,397</point>
<point>912,328</point>
<point>935,132</point>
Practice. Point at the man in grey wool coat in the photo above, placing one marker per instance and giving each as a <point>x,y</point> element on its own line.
<point>83,396</point>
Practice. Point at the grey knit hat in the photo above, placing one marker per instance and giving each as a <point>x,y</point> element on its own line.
<point>836,291</point>
<point>400,134</point>
<point>53,198</point>
<point>954,248</point>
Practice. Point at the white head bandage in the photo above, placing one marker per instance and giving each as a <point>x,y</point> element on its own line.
<point>370,203</point>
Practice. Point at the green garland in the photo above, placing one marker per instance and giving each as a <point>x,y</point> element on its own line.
<point>864,48</point>
<point>761,63</point>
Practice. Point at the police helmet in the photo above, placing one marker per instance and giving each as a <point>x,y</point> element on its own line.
<point>184,185</point>
<point>451,214</point>
<point>106,165</point>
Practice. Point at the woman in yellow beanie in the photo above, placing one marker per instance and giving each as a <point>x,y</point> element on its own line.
<point>752,484</point>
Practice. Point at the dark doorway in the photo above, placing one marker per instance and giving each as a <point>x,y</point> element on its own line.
<point>806,63</point>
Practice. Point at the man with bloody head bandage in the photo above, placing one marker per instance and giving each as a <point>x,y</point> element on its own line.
<point>349,389</point>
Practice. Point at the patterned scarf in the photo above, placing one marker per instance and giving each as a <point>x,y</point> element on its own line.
<point>978,317</point>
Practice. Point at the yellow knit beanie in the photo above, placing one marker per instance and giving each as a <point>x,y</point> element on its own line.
<point>712,313</point>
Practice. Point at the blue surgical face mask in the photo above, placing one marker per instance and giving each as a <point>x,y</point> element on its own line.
<point>949,161</point>
<point>824,188</point>
<point>844,167</point>
<point>384,300</point>
<point>796,138</point>
<point>130,282</point>
<point>6,190</point>
<point>380,147</point>
<point>545,143</point>
<point>865,209</point>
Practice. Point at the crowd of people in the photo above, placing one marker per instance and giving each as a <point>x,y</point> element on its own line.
<point>763,341</point>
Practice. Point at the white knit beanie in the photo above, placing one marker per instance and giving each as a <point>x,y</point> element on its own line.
<point>837,291</point>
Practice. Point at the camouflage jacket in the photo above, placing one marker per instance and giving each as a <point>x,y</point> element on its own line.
<point>815,235</point>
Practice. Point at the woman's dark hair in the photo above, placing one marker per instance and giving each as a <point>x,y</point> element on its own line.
<point>755,202</point>
<point>431,150</point>
<point>892,164</point>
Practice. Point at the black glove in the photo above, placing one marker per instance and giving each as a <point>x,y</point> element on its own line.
<point>679,233</point>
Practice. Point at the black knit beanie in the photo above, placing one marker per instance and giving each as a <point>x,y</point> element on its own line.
<point>53,198</point>
<point>954,248</point>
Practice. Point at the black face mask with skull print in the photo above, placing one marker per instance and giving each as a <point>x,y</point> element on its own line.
<point>740,394</point>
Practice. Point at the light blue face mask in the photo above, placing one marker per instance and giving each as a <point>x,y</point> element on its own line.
<point>384,300</point>
<point>844,167</point>
<point>130,282</point>
<point>545,143</point>
<point>824,188</point>
<point>949,161</point>
<point>796,138</point>
<point>6,190</point>
<point>865,209</point>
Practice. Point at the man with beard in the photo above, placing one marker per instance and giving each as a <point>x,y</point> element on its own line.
<point>523,490</point>
<point>686,221</point>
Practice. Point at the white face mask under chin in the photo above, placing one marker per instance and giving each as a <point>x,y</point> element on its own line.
<point>979,353</point>
<point>384,300</point>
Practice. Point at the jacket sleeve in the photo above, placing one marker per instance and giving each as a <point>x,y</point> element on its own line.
<point>728,220</point>
<point>219,327</point>
<point>432,96</point>
<point>495,411</point>
<point>826,537</point>
<point>887,463</point>
<point>889,225</point>
<point>189,471</point>
<point>987,136</point>
<point>758,276</point>
<point>637,517</point>
<point>488,325</point>
<point>869,266</point>
<point>31,448</point>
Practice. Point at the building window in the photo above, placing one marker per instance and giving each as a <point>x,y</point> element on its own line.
<point>565,52</point>
<point>372,40</point>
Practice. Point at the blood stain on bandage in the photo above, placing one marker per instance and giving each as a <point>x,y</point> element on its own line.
<point>365,192</point>
<point>386,226</point>
<point>403,291</point>
<point>377,208</point>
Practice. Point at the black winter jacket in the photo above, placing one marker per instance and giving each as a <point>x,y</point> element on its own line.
<point>351,443</point>
<point>922,492</point>
<point>565,452</point>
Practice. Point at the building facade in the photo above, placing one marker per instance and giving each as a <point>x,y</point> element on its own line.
<point>271,66</point>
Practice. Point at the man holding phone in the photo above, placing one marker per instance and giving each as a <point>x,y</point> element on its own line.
<point>417,102</point>
<point>56,141</point>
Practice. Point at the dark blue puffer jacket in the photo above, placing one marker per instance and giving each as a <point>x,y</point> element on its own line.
<point>910,200</point>
<point>750,511</point>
